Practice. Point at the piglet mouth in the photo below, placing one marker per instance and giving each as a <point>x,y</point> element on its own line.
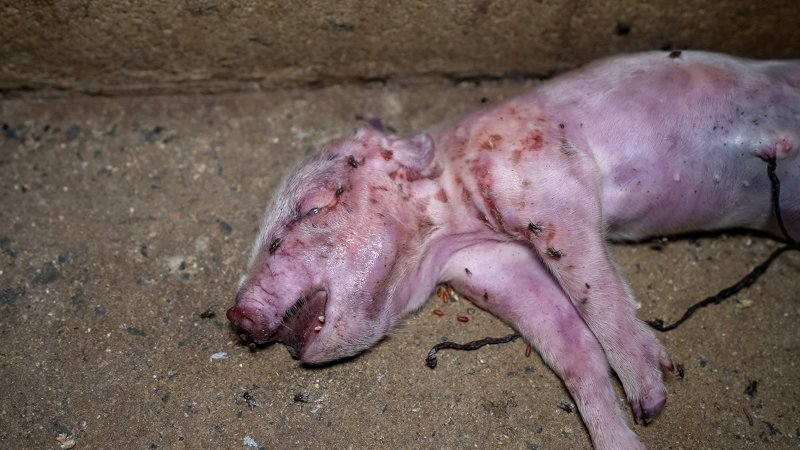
<point>302,322</point>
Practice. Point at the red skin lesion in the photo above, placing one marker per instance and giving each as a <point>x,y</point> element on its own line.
<point>466,197</point>
<point>551,234</point>
<point>534,141</point>
<point>489,143</point>
<point>516,156</point>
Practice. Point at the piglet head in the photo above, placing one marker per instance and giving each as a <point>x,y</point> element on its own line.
<point>337,242</point>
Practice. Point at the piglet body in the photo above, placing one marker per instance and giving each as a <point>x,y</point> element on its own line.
<point>512,206</point>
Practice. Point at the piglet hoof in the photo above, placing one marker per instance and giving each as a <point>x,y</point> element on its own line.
<point>642,379</point>
<point>646,409</point>
<point>649,406</point>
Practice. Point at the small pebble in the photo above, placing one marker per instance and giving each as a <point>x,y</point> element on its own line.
<point>218,356</point>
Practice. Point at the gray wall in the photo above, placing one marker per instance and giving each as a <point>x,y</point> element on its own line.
<point>131,46</point>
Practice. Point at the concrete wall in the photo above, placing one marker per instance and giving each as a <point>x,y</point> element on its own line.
<point>112,46</point>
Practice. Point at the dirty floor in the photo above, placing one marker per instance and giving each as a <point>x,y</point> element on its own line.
<point>124,227</point>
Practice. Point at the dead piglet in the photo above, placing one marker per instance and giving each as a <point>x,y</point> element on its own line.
<point>630,147</point>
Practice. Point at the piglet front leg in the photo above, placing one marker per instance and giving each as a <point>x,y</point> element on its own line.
<point>562,222</point>
<point>508,280</point>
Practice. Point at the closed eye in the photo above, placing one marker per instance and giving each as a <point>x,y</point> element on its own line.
<point>316,201</point>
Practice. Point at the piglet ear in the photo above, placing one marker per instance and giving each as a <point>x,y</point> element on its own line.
<point>413,152</point>
<point>377,124</point>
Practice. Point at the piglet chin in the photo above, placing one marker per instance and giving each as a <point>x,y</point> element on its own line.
<point>303,322</point>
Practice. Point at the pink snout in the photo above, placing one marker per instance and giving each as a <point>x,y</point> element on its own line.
<point>248,321</point>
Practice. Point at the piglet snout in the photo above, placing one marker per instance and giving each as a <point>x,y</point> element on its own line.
<point>245,320</point>
<point>295,324</point>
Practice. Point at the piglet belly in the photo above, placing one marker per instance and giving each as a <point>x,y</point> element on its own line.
<point>657,196</point>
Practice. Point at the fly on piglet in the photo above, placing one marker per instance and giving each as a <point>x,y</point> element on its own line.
<point>513,206</point>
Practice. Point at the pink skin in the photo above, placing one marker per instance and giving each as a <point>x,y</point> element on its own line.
<point>507,278</point>
<point>625,148</point>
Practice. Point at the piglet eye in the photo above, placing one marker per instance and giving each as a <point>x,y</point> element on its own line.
<point>316,201</point>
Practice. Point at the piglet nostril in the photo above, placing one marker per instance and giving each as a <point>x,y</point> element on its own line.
<point>234,314</point>
<point>249,325</point>
<point>239,318</point>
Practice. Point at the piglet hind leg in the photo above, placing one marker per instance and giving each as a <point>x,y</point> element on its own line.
<point>508,280</point>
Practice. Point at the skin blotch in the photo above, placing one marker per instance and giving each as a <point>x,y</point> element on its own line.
<point>489,143</point>
<point>567,148</point>
<point>516,155</point>
<point>534,141</point>
<point>351,160</point>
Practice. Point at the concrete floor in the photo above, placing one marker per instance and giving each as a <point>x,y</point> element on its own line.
<point>124,224</point>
